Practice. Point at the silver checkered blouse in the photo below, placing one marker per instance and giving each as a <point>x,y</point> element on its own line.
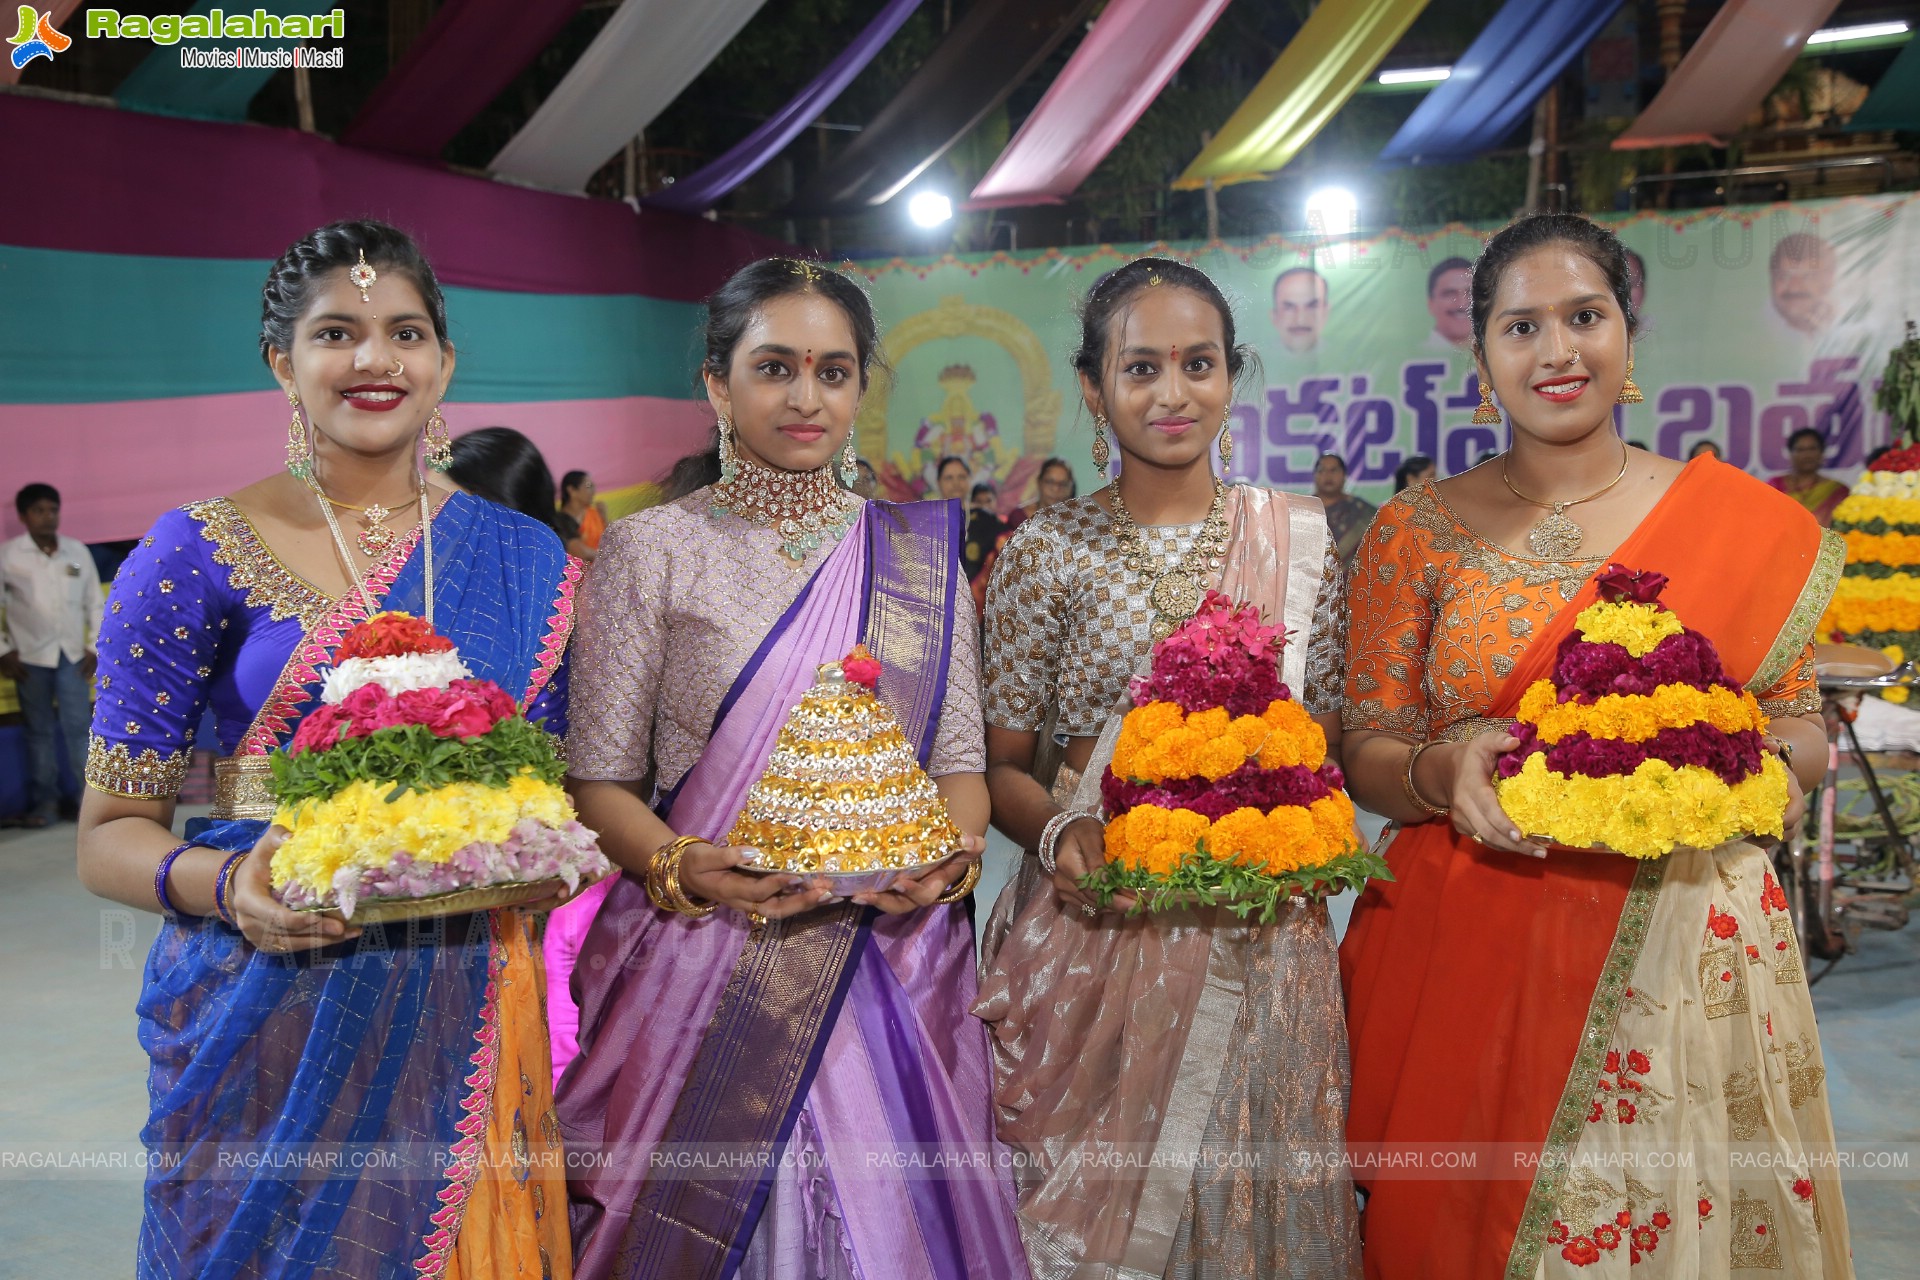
<point>1068,625</point>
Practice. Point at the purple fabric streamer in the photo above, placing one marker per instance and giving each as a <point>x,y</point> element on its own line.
<point>701,190</point>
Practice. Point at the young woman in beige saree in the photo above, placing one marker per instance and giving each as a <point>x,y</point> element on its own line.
<point>1174,1086</point>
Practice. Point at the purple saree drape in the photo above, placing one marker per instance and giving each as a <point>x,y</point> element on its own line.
<point>710,1051</point>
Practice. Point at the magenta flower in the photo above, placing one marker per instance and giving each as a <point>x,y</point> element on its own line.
<point>1619,583</point>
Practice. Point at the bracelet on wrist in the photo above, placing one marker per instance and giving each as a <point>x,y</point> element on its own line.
<point>223,887</point>
<point>1414,797</point>
<point>961,887</point>
<point>663,879</point>
<point>1049,845</point>
<point>165,869</point>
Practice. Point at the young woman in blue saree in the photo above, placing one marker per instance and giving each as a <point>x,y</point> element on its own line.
<point>326,1102</point>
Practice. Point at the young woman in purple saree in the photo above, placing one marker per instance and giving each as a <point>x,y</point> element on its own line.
<point>801,1093</point>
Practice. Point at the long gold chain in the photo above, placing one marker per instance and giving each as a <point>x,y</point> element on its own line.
<point>1557,536</point>
<point>346,556</point>
<point>1175,590</point>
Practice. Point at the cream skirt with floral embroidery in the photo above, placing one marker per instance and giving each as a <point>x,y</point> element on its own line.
<point>1706,1146</point>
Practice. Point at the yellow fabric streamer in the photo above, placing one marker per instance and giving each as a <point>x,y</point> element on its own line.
<point>1329,59</point>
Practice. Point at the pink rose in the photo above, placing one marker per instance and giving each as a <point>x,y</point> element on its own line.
<point>462,717</point>
<point>422,706</point>
<point>498,701</point>
<point>372,710</point>
<point>319,730</point>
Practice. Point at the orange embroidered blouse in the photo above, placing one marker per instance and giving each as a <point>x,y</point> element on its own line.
<point>1440,615</point>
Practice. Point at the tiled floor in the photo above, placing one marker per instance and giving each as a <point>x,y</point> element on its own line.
<point>72,1077</point>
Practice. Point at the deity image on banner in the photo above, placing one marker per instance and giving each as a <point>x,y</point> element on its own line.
<point>973,383</point>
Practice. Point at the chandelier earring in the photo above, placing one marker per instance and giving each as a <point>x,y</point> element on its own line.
<point>1629,390</point>
<point>1486,415</point>
<point>299,450</point>
<point>849,464</point>
<point>729,461</point>
<point>1226,442</point>
<point>439,443</point>
<point>1102,454</point>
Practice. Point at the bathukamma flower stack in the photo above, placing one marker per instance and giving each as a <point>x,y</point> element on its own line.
<point>412,783</point>
<point>1641,742</point>
<point>843,793</point>
<point>1877,603</point>
<point>1220,790</point>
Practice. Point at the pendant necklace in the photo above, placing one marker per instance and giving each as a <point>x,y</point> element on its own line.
<point>346,557</point>
<point>1557,536</point>
<point>1176,590</point>
<point>374,538</point>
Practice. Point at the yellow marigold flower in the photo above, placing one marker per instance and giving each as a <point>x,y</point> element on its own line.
<point>357,828</point>
<point>1648,813</point>
<point>1332,816</point>
<point>1895,654</point>
<point>1242,836</point>
<point>1294,843</point>
<point>1897,694</point>
<point>1218,758</point>
<point>1637,717</point>
<point>1637,628</point>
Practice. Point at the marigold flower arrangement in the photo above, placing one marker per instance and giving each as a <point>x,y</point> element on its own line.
<point>1877,603</point>
<point>412,780</point>
<point>1640,742</point>
<point>1220,790</point>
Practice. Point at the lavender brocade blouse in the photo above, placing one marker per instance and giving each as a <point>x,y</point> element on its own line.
<point>674,607</point>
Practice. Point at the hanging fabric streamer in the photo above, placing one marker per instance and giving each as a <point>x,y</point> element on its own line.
<point>700,190</point>
<point>1495,83</point>
<point>1729,71</point>
<point>649,51</point>
<point>986,56</point>
<point>1112,78</point>
<point>1316,73</point>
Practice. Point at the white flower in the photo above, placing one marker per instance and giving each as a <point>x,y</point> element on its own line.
<point>396,675</point>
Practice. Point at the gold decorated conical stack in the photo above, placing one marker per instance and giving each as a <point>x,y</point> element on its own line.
<point>843,792</point>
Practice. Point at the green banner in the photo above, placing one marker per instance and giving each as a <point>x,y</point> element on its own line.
<point>1756,322</point>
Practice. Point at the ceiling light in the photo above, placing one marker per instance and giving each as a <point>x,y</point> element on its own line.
<point>930,209</point>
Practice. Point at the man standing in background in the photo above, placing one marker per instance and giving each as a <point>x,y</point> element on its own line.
<point>50,597</point>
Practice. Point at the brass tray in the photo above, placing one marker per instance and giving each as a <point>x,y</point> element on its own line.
<point>459,902</point>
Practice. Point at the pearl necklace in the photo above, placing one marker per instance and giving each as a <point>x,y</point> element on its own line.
<point>804,507</point>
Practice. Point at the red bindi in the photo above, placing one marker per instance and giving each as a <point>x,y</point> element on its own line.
<point>1175,357</point>
<point>809,357</point>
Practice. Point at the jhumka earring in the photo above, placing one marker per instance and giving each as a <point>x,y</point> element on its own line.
<point>1102,455</point>
<point>299,453</point>
<point>729,464</point>
<point>1226,441</point>
<point>439,444</point>
<point>1486,415</point>
<point>1629,390</point>
<point>849,465</point>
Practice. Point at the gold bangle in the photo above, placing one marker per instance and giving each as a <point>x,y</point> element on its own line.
<point>663,879</point>
<point>1414,797</point>
<point>960,888</point>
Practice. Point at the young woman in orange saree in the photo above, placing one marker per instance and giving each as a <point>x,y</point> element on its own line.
<point>1598,1036</point>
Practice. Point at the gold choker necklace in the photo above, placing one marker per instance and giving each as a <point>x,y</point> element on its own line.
<point>804,507</point>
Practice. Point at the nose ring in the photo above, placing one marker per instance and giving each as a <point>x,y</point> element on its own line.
<point>399,367</point>
<point>1573,355</point>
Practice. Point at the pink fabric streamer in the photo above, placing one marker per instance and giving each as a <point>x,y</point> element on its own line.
<point>1115,74</point>
<point>1738,59</point>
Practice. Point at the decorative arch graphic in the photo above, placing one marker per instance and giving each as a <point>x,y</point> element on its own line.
<point>955,317</point>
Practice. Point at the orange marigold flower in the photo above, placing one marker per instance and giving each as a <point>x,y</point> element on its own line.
<point>1294,841</point>
<point>1218,758</point>
<point>1242,836</point>
<point>1333,822</point>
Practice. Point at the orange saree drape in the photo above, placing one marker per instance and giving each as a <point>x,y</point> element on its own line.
<point>1477,979</point>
